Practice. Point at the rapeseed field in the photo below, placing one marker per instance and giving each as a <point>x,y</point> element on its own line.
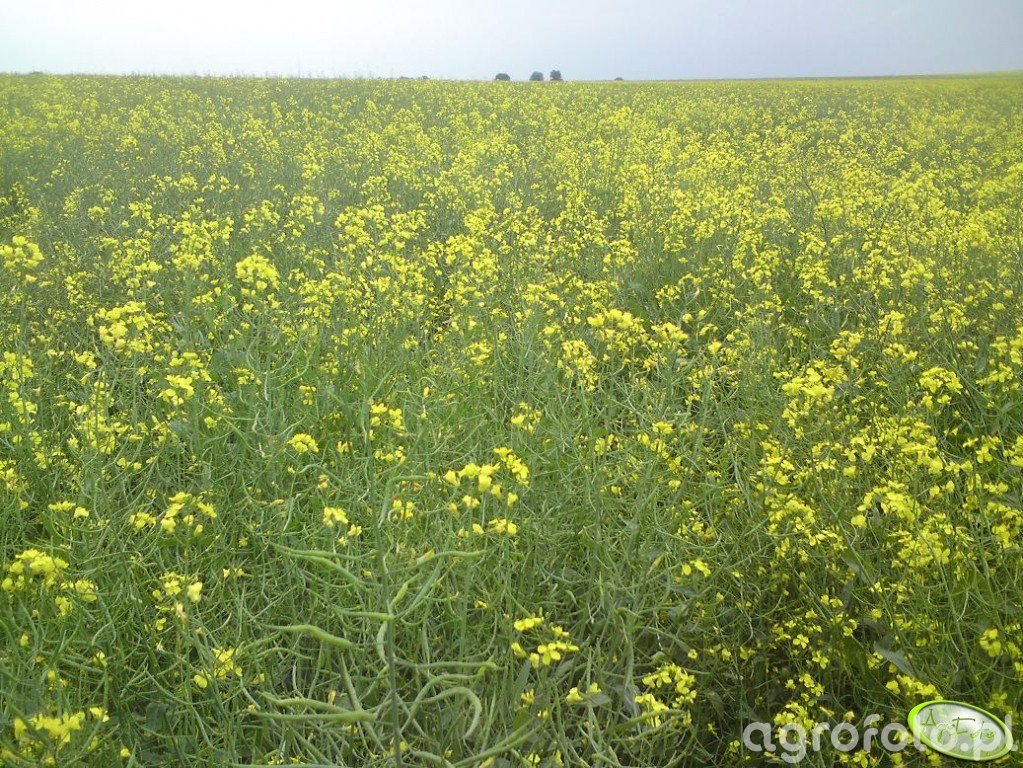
<point>388,423</point>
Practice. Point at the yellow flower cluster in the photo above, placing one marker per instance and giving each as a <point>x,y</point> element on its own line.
<point>128,327</point>
<point>44,739</point>
<point>33,568</point>
<point>224,664</point>
<point>303,443</point>
<point>480,479</point>
<point>183,509</point>
<point>257,275</point>
<point>667,688</point>
<point>555,647</point>
<point>21,257</point>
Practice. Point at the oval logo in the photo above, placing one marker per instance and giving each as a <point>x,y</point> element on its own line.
<point>960,730</point>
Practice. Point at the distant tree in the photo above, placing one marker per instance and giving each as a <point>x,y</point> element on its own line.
<point>555,76</point>
<point>504,77</point>
<point>536,77</point>
<point>619,79</point>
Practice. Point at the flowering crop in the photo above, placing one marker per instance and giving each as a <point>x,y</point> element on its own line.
<point>422,423</point>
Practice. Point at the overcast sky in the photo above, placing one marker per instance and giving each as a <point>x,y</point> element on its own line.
<point>585,39</point>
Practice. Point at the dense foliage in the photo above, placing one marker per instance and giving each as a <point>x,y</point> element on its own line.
<point>424,423</point>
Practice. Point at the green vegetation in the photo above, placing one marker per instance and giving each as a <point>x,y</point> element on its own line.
<point>433,424</point>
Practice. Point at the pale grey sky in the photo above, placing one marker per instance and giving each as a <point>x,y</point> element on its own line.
<point>585,39</point>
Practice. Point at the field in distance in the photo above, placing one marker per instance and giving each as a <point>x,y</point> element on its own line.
<point>418,423</point>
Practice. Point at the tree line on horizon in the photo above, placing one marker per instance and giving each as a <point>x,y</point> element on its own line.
<point>536,77</point>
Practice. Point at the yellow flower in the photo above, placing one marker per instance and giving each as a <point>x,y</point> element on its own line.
<point>501,525</point>
<point>527,623</point>
<point>256,274</point>
<point>991,643</point>
<point>303,443</point>
<point>334,516</point>
<point>21,257</point>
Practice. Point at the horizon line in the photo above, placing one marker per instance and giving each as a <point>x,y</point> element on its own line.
<point>439,78</point>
